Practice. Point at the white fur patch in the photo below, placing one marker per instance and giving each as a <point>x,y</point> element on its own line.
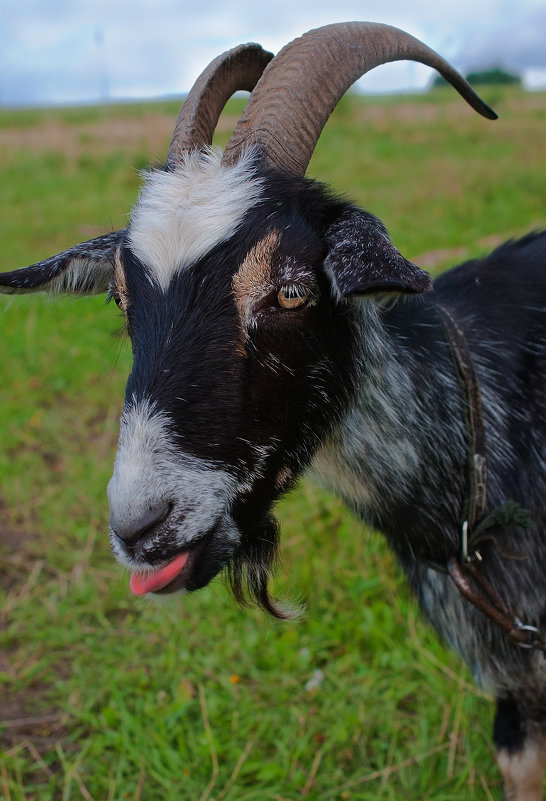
<point>181,215</point>
<point>523,772</point>
<point>150,470</point>
<point>92,274</point>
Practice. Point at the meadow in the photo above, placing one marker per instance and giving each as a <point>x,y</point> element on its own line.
<point>108,697</point>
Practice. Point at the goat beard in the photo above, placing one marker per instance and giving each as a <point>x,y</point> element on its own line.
<point>252,566</point>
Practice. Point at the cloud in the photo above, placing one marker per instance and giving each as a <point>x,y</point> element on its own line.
<point>84,50</point>
<point>505,43</point>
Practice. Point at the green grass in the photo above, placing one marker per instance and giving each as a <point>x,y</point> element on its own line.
<point>104,696</point>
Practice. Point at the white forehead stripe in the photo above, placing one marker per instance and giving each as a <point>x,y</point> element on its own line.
<point>181,215</point>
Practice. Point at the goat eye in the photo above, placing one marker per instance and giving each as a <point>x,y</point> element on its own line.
<point>292,296</point>
<point>118,300</point>
<point>114,295</point>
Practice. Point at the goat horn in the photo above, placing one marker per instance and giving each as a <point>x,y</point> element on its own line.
<point>237,69</point>
<point>302,85</point>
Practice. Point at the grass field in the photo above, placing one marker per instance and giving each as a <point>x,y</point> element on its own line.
<point>107,697</point>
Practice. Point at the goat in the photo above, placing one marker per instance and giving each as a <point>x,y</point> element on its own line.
<point>263,346</point>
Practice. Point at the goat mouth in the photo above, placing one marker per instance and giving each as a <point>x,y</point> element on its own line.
<point>188,569</point>
<point>160,580</point>
<point>171,577</point>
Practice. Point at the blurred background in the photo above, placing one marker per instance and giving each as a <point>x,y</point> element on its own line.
<point>74,51</point>
<point>107,697</point>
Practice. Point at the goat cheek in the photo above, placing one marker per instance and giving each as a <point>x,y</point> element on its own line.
<point>286,345</point>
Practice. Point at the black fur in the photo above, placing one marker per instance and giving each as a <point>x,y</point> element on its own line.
<point>508,726</point>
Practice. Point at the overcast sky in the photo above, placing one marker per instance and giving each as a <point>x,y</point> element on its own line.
<point>70,51</point>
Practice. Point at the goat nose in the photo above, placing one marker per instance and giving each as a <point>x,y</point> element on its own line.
<point>133,531</point>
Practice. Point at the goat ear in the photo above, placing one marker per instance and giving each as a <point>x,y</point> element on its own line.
<point>361,259</point>
<point>84,269</point>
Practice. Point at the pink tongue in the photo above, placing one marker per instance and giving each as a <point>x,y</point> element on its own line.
<point>141,583</point>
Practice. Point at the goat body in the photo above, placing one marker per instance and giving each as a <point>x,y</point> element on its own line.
<point>276,329</point>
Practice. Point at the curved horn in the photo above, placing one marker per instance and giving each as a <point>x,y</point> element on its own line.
<point>301,87</point>
<point>239,68</point>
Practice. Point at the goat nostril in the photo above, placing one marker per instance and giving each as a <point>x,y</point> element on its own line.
<point>131,533</point>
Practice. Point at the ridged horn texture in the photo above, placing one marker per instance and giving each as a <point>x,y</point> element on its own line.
<point>237,69</point>
<point>301,87</point>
